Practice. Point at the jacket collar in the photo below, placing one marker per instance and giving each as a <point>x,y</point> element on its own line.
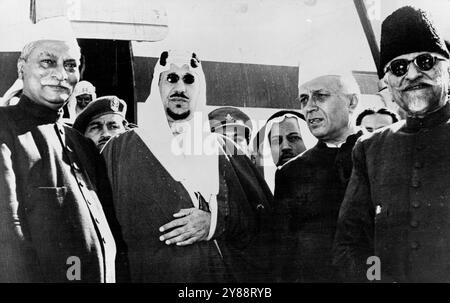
<point>350,141</point>
<point>433,119</point>
<point>40,112</point>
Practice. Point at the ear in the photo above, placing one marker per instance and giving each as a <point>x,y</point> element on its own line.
<point>385,79</point>
<point>448,68</point>
<point>20,64</point>
<point>354,99</point>
<point>448,90</point>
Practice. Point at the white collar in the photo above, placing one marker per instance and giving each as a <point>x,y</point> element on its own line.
<point>331,145</point>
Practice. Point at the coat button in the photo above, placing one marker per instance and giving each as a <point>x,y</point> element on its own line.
<point>81,184</point>
<point>418,164</point>
<point>420,146</point>
<point>415,183</point>
<point>415,204</point>
<point>414,223</point>
<point>414,245</point>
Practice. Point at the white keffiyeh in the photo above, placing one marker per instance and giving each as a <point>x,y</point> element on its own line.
<point>268,162</point>
<point>181,147</point>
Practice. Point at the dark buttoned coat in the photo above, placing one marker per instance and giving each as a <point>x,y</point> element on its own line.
<point>51,183</point>
<point>308,193</point>
<point>146,197</point>
<point>397,204</point>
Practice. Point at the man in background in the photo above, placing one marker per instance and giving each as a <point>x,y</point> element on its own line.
<point>102,119</point>
<point>372,120</point>
<point>234,124</point>
<point>284,136</point>
<point>83,94</point>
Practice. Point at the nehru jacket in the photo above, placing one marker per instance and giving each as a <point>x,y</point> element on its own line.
<point>397,204</point>
<point>51,183</point>
<point>308,193</point>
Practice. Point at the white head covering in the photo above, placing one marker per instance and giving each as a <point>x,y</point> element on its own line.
<point>82,87</point>
<point>183,155</point>
<point>268,162</point>
<point>10,98</point>
<point>55,28</point>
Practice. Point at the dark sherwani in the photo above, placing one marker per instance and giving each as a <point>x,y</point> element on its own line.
<point>51,180</point>
<point>249,248</point>
<point>146,197</point>
<point>397,205</point>
<point>308,193</point>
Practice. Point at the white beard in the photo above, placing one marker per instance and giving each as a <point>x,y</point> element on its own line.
<point>417,105</point>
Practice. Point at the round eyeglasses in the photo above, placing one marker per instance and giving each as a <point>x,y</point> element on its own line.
<point>424,62</point>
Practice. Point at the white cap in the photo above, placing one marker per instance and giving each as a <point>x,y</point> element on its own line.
<point>308,72</point>
<point>55,28</point>
<point>84,87</point>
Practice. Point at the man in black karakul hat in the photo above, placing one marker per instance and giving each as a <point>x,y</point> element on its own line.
<point>396,212</point>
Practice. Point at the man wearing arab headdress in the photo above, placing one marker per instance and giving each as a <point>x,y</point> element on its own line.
<point>179,199</point>
<point>285,136</point>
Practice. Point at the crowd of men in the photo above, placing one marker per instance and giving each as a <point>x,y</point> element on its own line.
<point>324,191</point>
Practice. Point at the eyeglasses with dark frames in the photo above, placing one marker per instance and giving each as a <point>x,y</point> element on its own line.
<point>424,62</point>
<point>174,78</point>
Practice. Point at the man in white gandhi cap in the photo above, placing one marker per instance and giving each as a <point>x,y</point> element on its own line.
<point>55,203</point>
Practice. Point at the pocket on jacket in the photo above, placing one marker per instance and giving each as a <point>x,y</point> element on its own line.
<point>45,197</point>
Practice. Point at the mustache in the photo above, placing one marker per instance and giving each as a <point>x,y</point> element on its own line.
<point>417,82</point>
<point>179,95</point>
<point>103,140</point>
<point>50,82</point>
<point>286,155</point>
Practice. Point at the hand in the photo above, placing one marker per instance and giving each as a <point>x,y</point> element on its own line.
<point>192,225</point>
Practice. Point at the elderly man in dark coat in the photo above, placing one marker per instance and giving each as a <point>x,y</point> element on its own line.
<point>309,188</point>
<point>397,205</point>
<point>53,227</point>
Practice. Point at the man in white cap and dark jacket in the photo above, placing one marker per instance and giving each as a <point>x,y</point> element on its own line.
<point>394,221</point>
<point>56,217</point>
<point>310,187</point>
